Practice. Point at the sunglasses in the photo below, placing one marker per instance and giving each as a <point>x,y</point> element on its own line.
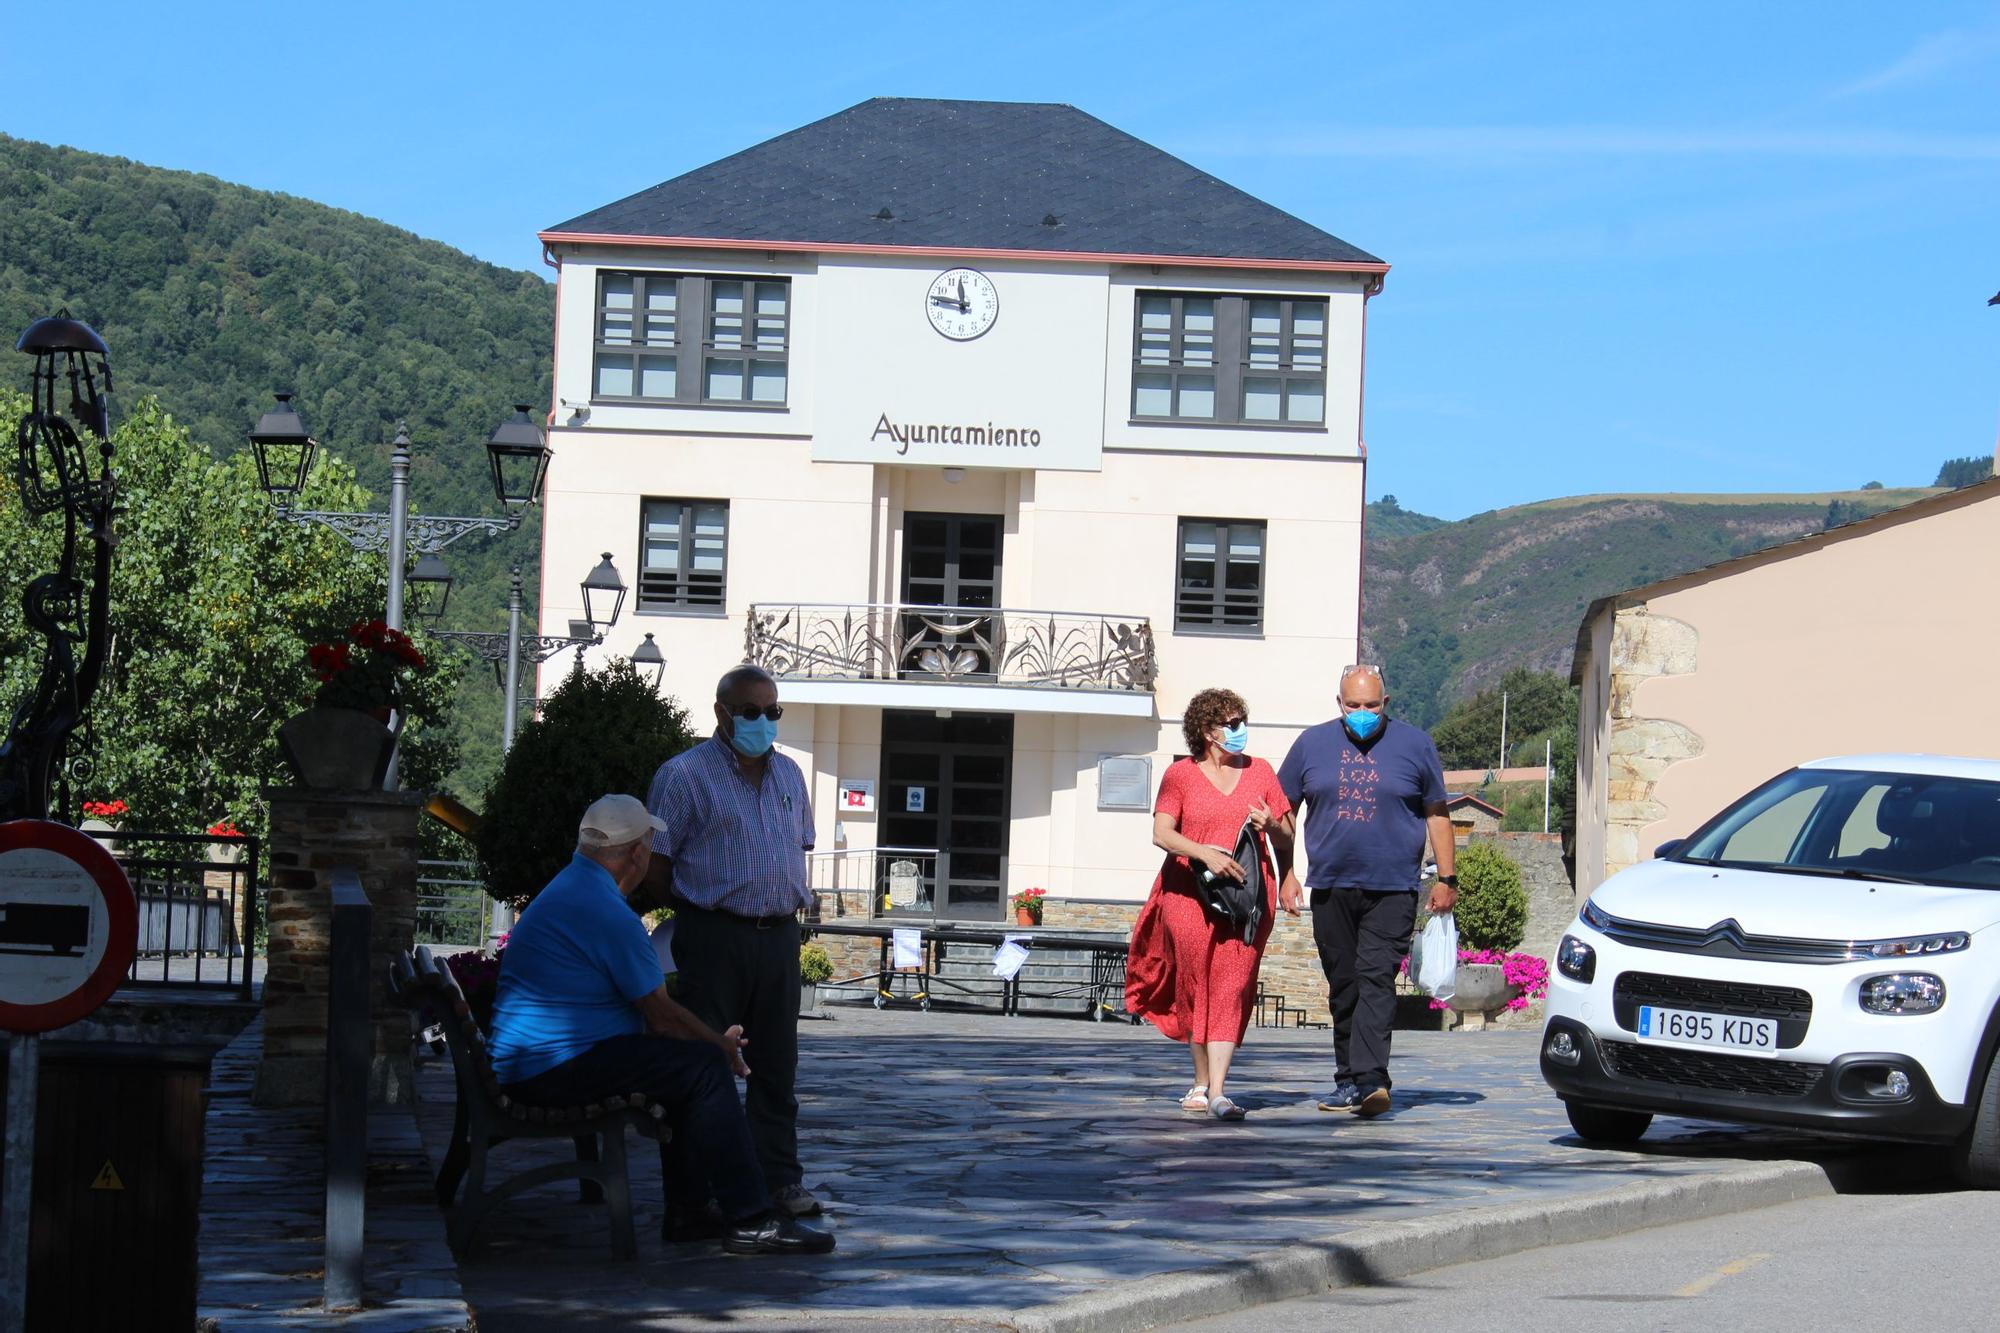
<point>751,712</point>
<point>1235,722</point>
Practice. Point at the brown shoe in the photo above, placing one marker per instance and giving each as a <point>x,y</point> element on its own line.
<point>1372,1104</point>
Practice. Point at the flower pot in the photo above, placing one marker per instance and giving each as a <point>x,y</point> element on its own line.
<point>104,831</point>
<point>808,997</point>
<point>1025,917</point>
<point>337,748</point>
<point>1483,988</point>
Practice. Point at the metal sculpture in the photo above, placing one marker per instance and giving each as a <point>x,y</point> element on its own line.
<point>70,608</point>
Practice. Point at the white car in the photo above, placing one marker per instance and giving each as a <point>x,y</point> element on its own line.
<point>1822,954</point>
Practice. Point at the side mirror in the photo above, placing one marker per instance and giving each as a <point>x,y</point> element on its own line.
<point>1668,848</point>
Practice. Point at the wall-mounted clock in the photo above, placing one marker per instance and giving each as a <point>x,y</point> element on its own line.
<point>962,304</point>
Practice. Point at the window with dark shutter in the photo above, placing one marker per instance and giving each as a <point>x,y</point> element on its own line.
<point>1221,576</point>
<point>683,555</point>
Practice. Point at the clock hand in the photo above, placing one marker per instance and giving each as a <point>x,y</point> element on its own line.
<point>948,303</point>
<point>964,306</point>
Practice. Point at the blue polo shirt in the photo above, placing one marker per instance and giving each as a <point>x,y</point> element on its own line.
<point>575,964</point>
<point>1364,803</point>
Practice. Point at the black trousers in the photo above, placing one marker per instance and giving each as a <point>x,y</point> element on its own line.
<point>1362,938</point>
<point>711,1154</point>
<point>734,970</point>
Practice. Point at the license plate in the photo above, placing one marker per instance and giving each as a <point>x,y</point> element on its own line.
<point>1685,1027</point>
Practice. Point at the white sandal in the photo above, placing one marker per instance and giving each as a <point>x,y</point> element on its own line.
<point>1195,1099</point>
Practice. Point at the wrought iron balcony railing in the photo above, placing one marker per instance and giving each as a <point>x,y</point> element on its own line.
<point>956,644</point>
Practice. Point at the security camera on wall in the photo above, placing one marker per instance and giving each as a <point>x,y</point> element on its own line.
<point>579,413</point>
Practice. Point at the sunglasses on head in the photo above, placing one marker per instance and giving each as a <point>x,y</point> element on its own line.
<point>751,712</point>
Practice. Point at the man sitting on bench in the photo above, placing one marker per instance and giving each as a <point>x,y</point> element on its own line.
<point>582,1014</point>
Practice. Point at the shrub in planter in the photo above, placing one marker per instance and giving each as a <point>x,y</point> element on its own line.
<point>600,732</point>
<point>1492,911</point>
<point>815,964</point>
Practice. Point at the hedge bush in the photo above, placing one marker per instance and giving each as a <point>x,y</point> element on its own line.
<point>1492,911</point>
<point>600,732</point>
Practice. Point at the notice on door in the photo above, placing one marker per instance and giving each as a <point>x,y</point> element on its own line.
<point>857,795</point>
<point>913,800</point>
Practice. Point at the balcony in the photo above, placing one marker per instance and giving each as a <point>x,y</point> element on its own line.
<point>909,656</point>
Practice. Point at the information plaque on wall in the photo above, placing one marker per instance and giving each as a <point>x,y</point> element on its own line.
<point>1124,782</point>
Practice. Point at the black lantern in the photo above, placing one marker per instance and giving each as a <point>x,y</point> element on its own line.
<point>429,585</point>
<point>284,451</point>
<point>520,459</point>
<point>53,469</point>
<point>650,662</point>
<point>603,596</point>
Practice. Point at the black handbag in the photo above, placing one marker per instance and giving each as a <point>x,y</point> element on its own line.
<point>1238,903</point>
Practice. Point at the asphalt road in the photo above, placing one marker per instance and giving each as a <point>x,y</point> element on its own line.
<point>1887,1260</point>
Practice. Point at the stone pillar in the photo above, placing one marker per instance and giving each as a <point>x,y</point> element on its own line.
<point>313,832</point>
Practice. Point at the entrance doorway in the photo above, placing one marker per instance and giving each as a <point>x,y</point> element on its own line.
<point>951,560</point>
<point>946,783</point>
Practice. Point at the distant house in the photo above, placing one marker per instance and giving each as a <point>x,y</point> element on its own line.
<point>1873,636</point>
<point>1471,815</point>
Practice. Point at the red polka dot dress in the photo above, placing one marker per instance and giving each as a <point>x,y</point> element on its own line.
<point>1189,975</point>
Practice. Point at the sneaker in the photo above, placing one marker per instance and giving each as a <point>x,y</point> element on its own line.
<point>1344,1097</point>
<point>775,1233</point>
<point>1223,1109</point>
<point>1373,1103</point>
<point>796,1201</point>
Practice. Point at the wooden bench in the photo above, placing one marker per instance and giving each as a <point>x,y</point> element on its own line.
<point>487,1117</point>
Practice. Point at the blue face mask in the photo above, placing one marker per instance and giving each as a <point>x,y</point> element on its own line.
<point>1363,723</point>
<point>753,739</point>
<point>1236,739</point>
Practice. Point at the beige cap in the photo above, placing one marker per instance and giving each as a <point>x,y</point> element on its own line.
<point>613,821</point>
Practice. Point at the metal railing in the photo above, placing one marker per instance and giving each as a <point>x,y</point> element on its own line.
<point>200,902</point>
<point>452,905</point>
<point>895,882</point>
<point>957,644</point>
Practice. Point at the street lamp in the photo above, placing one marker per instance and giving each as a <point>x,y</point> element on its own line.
<point>603,596</point>
<point>285,451</point>
<point>430,588</point>
<point>650,662</point>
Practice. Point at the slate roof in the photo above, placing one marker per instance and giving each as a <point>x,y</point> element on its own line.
<point>958,175</point>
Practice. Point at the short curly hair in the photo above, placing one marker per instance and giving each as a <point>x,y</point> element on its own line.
<point>1210,708</point>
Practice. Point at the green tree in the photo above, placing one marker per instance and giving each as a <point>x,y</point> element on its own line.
<point>214,603</point>
<point>1957,472</point>
<point>1536,705</point>
<point>1871,485</point>
<point>601,731</point>
<point>1492,911</point>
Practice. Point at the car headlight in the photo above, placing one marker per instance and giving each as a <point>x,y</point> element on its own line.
<point>1594,916</point>
<point>1902,993</point>
<point>1575,959</point>
<point>1951,941</point>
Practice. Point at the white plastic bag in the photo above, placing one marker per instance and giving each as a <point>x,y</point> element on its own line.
<point>1434,957</point>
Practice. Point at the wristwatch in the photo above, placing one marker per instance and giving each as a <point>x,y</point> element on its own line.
<point>1451,880</point>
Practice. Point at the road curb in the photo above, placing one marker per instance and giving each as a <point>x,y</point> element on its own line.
<point>1390,1250</point>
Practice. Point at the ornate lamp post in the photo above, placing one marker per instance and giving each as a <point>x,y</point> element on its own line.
<point>69,608</point>
<point>515,451</point>
<point>651,662</point>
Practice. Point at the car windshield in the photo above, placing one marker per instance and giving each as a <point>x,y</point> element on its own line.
<point>1877,826</point>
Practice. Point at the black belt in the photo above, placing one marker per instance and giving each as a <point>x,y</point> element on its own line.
<point>755,922</point>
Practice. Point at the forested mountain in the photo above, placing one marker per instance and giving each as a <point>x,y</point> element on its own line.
<point>1450,607</point>
<point>213,296</point>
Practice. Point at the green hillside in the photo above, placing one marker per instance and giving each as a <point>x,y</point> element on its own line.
<point>1450,607</point>
<point>213,296</point>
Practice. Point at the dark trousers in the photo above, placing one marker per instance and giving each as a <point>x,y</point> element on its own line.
<point>1362,938</point>
<point>711,1155</point>
<point>735,971</point>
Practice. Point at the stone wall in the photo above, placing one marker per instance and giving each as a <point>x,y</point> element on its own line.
<point>312,833</point>
<point>1641,749</point>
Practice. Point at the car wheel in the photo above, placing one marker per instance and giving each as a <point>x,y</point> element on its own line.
<point>1601,1124</point>
<point>1975,1158</point>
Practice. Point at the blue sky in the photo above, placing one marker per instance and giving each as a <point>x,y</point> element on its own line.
<point>1687,247</point>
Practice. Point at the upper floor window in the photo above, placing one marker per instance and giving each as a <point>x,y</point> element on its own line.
<point>1234,360</point>
<point>1221,576</point>
<point>692,338</point>
<point>683,554</point>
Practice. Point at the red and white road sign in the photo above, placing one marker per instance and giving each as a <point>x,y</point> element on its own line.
<point>68,925</point>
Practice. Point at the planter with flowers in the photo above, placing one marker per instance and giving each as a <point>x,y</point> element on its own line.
<point>344,740</point>
<point>224,853</point>
<point>1492,914</point>
<point>1027,905</point>
<point>100,819</point>
<point>815,966</point>
<point>478,976</point>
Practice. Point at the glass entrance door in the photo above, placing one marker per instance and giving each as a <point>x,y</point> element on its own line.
<point>946,783</point>
<point>951,560</point>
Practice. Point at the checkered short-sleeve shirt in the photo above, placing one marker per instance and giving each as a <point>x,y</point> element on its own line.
<point>737,847</point>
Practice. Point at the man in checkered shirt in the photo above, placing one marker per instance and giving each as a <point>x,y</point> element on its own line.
<point>731,862</point>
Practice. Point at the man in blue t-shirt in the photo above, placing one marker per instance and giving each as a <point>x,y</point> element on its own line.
<point>582,1015</point>
<point>1373,790</point>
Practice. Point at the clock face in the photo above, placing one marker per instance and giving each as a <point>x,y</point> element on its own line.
<point>962,303</point>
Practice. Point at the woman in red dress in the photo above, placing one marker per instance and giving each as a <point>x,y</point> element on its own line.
<point>1190,975</point>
